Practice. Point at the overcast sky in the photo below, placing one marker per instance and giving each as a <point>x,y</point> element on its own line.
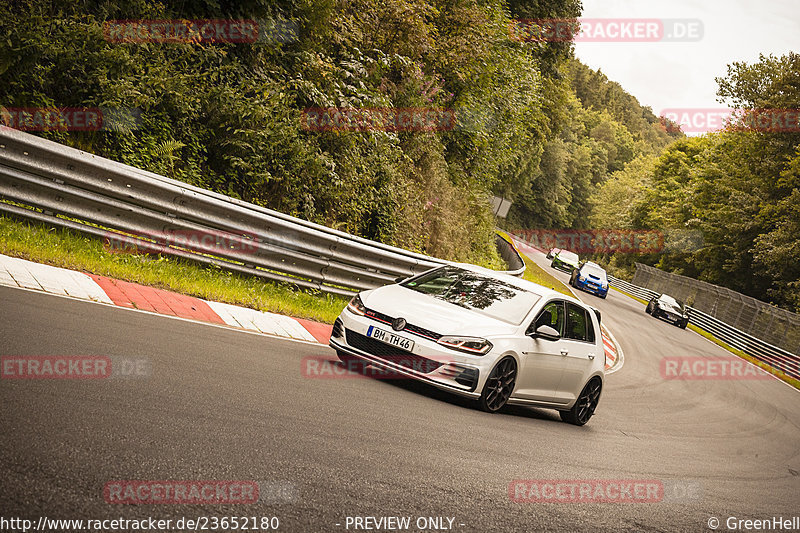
<point>669,75</point>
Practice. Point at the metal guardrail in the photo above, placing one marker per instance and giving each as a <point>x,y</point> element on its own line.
<point>779,326</point>
<point>787,362</point>
<point>635,290</point>
<point>100,197</point>
<point>509,253</point>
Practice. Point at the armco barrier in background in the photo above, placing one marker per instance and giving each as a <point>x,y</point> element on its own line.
<point>778,358</point>
<point>748,315</point>
<point>133,205</point>
<point>510,254</point>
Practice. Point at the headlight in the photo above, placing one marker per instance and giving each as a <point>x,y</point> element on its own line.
<point>581,277</point>
<point>473,345</point>
<point>356,306</point>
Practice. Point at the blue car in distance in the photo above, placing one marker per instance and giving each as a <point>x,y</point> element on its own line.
<point>590,277</point>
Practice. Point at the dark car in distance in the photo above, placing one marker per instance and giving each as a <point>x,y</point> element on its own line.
<point>666,307</point>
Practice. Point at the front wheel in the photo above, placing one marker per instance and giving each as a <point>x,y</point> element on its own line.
<point>499,386</point>
<point>683,323</point>
<point>585,405</point>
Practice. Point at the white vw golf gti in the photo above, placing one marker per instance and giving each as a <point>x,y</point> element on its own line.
<point>480,334</point>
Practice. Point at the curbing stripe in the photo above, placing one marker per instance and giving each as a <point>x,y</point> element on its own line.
<point>16,272</point>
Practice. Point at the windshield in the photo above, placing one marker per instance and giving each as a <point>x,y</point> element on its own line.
<point>568,256</point>
<point>671,302</point>
<point>470,290</point>
<point>597,272</point>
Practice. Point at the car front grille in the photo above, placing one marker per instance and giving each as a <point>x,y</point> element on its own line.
<point>391,354</point>
<point>411,328</point>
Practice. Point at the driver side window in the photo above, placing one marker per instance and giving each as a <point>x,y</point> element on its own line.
<point>552,315</point>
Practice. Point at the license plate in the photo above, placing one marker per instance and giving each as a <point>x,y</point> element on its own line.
<point>390,338</point>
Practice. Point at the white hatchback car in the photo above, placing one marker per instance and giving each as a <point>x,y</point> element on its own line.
<point>481,334</point>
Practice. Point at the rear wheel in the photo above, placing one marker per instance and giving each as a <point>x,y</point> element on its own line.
<point>585,405</point>
<point>499,385</point>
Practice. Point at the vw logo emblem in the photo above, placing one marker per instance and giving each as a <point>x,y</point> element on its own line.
<point>398,324</point>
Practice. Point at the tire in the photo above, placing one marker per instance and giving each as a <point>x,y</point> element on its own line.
<point>499,386</point>
<point>648,309</point>
<point>682,324</point>
<point>603,296</point>
<point>585,405</point>
<point>552,264</point>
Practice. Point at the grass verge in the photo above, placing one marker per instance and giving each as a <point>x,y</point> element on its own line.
<point>68,249</point>
<point>736,351</point>
<point>534,272</point>
<point>537,274</point>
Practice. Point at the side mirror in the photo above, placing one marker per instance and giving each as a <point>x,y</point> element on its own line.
<point>401,279</point>
<point>546,332</point>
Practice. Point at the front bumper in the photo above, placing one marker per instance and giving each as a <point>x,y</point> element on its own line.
<point>585,286</point>
<point>672,317</point>
<point>563,266</point>
<point>429,362</point>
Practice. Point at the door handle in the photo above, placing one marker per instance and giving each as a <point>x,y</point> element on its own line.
<point>591,356</point>
<point>564,352</point>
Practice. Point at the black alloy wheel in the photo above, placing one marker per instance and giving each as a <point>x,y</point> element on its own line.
<point>499,385</point>
<point>585,405</point>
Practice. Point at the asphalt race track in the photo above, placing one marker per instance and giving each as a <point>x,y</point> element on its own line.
<point>220,404</point>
